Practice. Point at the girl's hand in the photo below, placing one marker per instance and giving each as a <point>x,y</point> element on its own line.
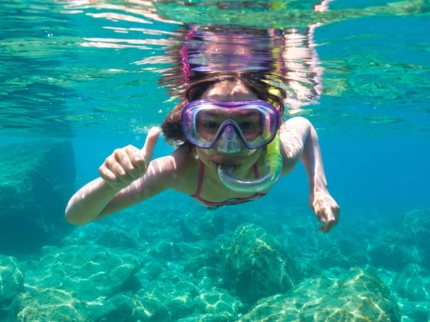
<point>128,164</point>
<point>326,209</point>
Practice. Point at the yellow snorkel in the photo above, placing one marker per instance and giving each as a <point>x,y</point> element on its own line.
<point>273,157</point>
<point>273,162</point>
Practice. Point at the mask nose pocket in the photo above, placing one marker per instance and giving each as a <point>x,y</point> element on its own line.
<point>229,141</point>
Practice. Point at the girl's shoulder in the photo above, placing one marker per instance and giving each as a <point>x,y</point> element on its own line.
<point>180,169</point>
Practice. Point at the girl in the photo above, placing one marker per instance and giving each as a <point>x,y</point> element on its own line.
<point>233,146</point>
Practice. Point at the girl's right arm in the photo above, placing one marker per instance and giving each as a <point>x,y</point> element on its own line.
<point>125,180</point>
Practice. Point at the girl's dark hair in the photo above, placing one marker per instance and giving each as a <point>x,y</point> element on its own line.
<point>171,126</point>
<point>220,47</point>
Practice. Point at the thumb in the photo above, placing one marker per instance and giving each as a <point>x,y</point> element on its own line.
<point>150,142</point>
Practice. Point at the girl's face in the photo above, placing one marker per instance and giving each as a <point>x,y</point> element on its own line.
<point>229,91</point>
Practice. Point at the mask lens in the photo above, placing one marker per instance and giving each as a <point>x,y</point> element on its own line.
<point>251,124</point>
<point>254,122</point>
<point>208,123</point>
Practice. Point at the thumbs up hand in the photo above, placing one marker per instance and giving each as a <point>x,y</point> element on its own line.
<point>128,164</point>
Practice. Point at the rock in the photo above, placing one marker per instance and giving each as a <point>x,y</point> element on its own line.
<point>414,283</point>
<point>255,265</point>
<point>123,308</point>
<point>203,255</point>
<point>407,243</point>
<point>166,250</point>
<point>421,312</point>
<point>153,269</point>
<point>219,303</point>
<point>11,280</point>
<point>116,238</point>
<point>358,296</point>
<point>91,271</point>
<point>342,252</point>
<point>48,304</point>
<point>197,226</point>
<point>390,256</point>
<point>177,300</point>
<point>36,181</point>
<point>206,318</point>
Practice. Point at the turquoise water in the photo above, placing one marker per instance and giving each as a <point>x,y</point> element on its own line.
<point>90,74</point>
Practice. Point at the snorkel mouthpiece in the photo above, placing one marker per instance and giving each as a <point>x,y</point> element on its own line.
<point>273,163</point>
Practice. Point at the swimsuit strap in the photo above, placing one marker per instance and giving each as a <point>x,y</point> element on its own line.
<point>200,182</point>
<point>255,170</point>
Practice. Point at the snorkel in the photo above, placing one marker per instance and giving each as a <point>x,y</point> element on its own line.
<point>273,161</point>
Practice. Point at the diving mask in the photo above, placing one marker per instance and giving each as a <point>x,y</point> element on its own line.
<point>230,127</point>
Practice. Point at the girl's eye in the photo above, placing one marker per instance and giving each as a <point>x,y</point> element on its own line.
<point>247,127</point>
<point>211,125</point>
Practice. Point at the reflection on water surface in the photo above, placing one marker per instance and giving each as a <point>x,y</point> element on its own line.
<point>94,65</point>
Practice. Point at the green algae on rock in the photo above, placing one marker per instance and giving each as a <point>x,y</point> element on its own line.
<point>358,296</point>
<point>255,265</point>
<point>48,304</point>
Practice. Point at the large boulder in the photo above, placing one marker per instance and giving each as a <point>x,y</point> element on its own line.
<point>255,265</point>
<point>48,304</point>
<point>36,181</point>
<point>357,296</point>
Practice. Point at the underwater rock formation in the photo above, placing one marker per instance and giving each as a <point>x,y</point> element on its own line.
<point>219,303</point>
<point>199,226</point>
<point>11,280</point>
<point>36,181</point>
<point>255,265</point>
<point>91,271</point>
<point>413,283</point>
<point>358,296</point>
<point>48,304</point>
<point>131,308</point>
<point>408,243</point>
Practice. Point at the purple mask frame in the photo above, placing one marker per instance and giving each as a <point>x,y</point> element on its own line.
<point>187,122</point>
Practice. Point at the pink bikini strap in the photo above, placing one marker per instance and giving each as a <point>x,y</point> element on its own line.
<point>255,170</point>
<point>200,184</point>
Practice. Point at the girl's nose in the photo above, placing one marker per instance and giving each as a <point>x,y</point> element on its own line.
<point>229,141</point>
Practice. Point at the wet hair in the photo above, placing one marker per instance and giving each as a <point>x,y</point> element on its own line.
<point>171,126</point>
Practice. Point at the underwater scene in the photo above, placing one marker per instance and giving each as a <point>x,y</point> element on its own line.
<point>337,227</point>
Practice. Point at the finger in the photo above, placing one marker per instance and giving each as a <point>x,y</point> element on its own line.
<point>322,228</point>
<point>113,165</point>
<point>122,165</point>
<point>133,162</point>
<point>138,160</point>
<point>150,142</point>
<point>321,216</point>
<point>107,175</point>
<point>110,178</point>
<point>327,227</point>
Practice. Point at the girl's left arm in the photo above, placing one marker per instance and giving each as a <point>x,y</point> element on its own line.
<point>299,140</point>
